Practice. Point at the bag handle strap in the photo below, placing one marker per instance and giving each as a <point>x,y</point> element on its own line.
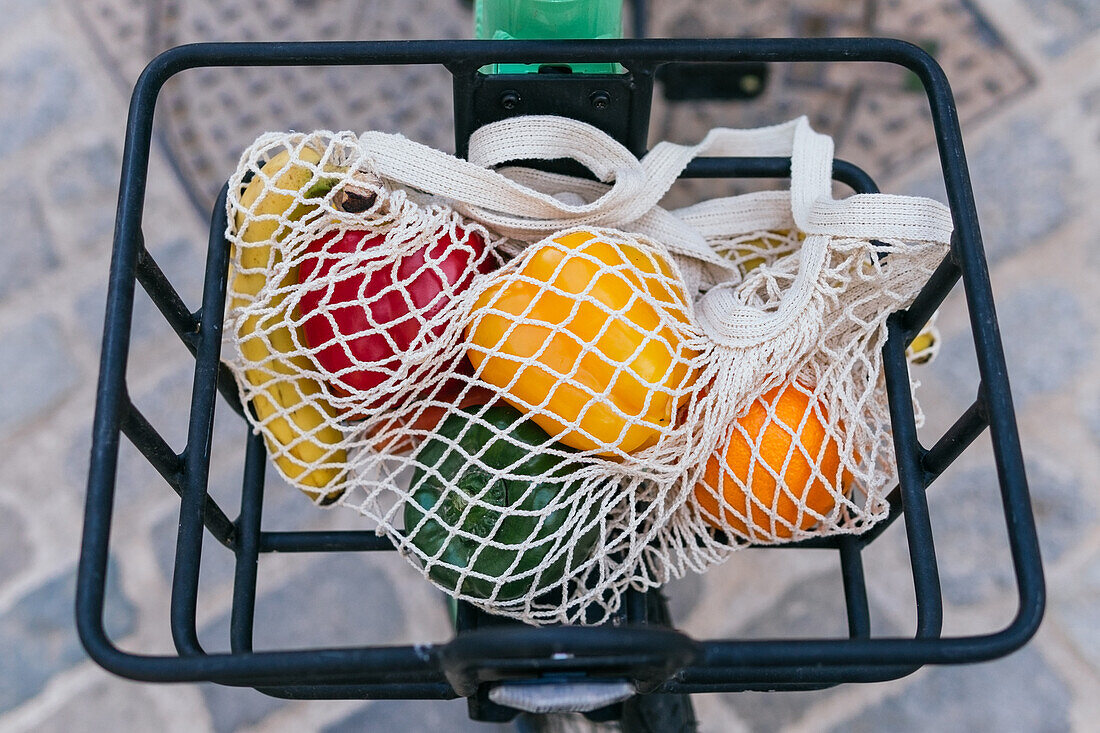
<point>537,137</point>
<point>719,313</point>
<point>527,205</point>
<point>501,201</point>
<point>810,203</point>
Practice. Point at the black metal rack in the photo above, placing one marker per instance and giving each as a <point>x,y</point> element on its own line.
<point>657,658</point>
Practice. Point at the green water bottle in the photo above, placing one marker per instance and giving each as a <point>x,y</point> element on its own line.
<point>548,19</point>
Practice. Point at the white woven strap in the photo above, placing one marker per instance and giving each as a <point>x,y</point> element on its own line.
<point>729,322</point>
<point>811,158</point>
<point>528,205</point>
<point>635,207</point>
<point>527,208</point>
<point>809,203</point>
<point>679,237</point>
<point>882,216</point>
<point>719,314</point>
<point>815,212</point>
<point>756,211</point>
<point>507,205</point>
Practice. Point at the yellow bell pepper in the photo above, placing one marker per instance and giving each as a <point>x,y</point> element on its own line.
<point>567,335</point>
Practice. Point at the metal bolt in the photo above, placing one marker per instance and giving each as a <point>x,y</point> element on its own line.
<point>599,99</point>
<point>509,99</point>
<point>751,84</point>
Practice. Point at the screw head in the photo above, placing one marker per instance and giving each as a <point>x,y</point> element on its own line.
<point>599,99</point>
<point>509,99</point>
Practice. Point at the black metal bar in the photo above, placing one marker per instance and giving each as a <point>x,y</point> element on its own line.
<point>847,173</point>
<point>185,574</point>
<point>1007,454</point>
<point>111,386</point>
<point>462,81</point>
<point>466,617</point>
<point>935,460</point>
<point>828,542</point>
<point>879,651</point>
<point>854,177</point>
<point>368,666</point>
<point>742,679</point>
<point>955,440</point>
<point>894,500</point>
<point>151,444</point>
<point>641,102</point>
<point>218,249</point>
<point>332,541</point>
<point>185,577</point>
<point>647,654</point>
<point>855,588</point>
<point>208,366</point>
<point>248,545</point>
<point>908,454</point>
<point>760,167</point>
<point>673,688</point>
<point>170,467</point>
<point>397,691</point>
<point>931,296</point>
<point>167,300</point>
<point>459,55</point>
<point>639,16</point>
<point>636,606</point>
<point>343,677</point>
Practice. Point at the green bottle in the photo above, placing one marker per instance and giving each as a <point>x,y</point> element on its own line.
<point>548,19</point>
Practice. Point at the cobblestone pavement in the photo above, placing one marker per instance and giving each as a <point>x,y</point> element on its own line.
<point>1027,74</point>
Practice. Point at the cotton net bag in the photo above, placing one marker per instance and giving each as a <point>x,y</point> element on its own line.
<point>522,377</point>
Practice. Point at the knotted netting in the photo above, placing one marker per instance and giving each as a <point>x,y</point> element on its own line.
<point>547,389</point>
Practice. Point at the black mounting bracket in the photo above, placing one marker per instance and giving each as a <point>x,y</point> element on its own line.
<point>618,104</point>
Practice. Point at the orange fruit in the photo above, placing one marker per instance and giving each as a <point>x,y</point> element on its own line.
<point>734,471</point>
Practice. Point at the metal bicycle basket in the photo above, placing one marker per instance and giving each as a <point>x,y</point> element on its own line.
<point>642,647</point>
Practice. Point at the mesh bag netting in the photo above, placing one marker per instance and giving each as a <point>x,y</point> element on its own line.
<point>546,389</point>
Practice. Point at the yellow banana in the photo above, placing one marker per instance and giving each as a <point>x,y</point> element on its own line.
<point>300,435</point>
<point>925,345</point>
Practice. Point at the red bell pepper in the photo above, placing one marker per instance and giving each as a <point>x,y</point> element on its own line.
<point>360,322</point>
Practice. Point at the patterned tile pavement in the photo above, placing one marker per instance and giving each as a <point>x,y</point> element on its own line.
<point>1027,78</point>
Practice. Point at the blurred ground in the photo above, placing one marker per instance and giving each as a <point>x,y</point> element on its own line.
<point>1026,75</point>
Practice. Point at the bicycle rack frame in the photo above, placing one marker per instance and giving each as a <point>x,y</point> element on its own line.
<point>657,658</point>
